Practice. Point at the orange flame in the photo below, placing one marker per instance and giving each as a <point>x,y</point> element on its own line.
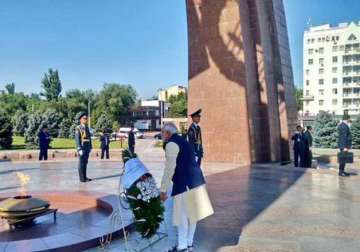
<point>24,180</point>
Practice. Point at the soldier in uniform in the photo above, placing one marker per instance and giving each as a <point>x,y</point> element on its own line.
<point>194,136</point>
<point>83,145</point>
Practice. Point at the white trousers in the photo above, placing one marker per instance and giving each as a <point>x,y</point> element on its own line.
<point>186,231</point>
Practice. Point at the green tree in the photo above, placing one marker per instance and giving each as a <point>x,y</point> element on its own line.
<point>52,120</point>
<point>5,130</point>
<point>178,107</point>
<point>32,131</point>
<point>65,126</point>
<point>355,131</point>
<point>325,130</point>
<point>103,123</point>
<point>10,88</point>
<point>299,98</point>
<point>51,85</point>
<point>116,100</point>
<point>11,103</point>
<point>20,122</point>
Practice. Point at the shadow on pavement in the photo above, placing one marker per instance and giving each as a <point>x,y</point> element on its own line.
<point>239,196</point>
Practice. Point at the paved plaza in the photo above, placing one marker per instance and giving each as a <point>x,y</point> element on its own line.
<point>260,208</point>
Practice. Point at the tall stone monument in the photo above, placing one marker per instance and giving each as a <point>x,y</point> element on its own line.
<point>240,75</point>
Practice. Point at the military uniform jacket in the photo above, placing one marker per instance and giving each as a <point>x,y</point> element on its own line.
<point>83,138</point>
<point>195,139</point>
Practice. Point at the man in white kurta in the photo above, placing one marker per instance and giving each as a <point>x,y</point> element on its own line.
<point>191,201</point>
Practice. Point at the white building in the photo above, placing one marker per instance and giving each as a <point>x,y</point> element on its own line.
<point>332,69</point>
<point>164,94</point>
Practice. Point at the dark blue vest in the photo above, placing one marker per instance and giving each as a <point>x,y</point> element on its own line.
<point>188,174</point>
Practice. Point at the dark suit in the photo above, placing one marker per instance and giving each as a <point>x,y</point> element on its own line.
<point>307,152</point>
<point>344,141</point>
<point>44,140</point>
<point>131,141</point>
<point>195,139</point>
<point>83,143</point>
<point>299,149</point>
<point>105,142</point>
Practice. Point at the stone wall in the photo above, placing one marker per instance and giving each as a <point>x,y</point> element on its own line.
<point>240,75</point>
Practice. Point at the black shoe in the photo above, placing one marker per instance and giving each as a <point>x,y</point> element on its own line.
<point>88,179</point>
<point>344,174</point>
<point>174,249</point>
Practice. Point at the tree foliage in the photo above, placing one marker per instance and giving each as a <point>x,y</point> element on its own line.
<point>20,122</point>
<point>115,100</point>
<point>178,107</point>
<point>299,97</point>
<point>10,88</point>
<point>355,131</point>
<point>5,130</point>
<point>51,85</point>
<point>32,131</point>
<point>103,123</point>
<point>325,130</point>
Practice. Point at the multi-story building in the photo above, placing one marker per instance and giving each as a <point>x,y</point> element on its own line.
<point>164,94</point>
<point>332,69</point>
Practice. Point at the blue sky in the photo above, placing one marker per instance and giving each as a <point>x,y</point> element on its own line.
<point>137,42</point>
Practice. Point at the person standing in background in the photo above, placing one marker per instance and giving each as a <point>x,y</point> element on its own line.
<point>105,144</point>
<point>344,141</point>
<point>131,139</point>
<point>44,141</point>
<point>194,136</point>
<point>299,147</point>
<point>83,145</point>
<point>308,146</point>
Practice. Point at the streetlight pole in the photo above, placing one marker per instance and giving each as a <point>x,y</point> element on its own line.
<point>89,112</point>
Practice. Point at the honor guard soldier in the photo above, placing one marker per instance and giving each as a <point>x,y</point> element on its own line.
<point>83,145</point>
<point>194,136</point>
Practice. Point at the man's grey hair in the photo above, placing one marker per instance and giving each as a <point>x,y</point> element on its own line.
<point>170,127</point>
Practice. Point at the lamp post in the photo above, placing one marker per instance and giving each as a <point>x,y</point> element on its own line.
<point>89,111</point>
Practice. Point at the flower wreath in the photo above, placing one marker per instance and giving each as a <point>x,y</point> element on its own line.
<point>143,197</point>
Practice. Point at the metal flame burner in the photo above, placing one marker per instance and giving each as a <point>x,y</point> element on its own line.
<point>20,210</point>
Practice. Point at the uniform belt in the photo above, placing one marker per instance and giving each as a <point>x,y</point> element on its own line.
<point>85,140</point>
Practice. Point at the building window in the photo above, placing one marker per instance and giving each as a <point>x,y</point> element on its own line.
<point>335,59</point>
<point>310,51</point>
<point>342,48</point>
<point>321,81</point>
<point>307,71</point>
<point>321,50</point>
<point>334,81</point>
<point>321,91</point>
<point>310,61</point>
<point>321,61</point>
<point>352,37</point>
<point>334,69</point>
<point>307,103</point>
<point>334,91</point>
<point>334,48</point>
<point>321,102</point>
<point>334,102</point>
<point>321,70</point>
<point>307,82</point>
<point>307,92</point>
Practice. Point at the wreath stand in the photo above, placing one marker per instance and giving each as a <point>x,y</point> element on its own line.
<point>117,218</point>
